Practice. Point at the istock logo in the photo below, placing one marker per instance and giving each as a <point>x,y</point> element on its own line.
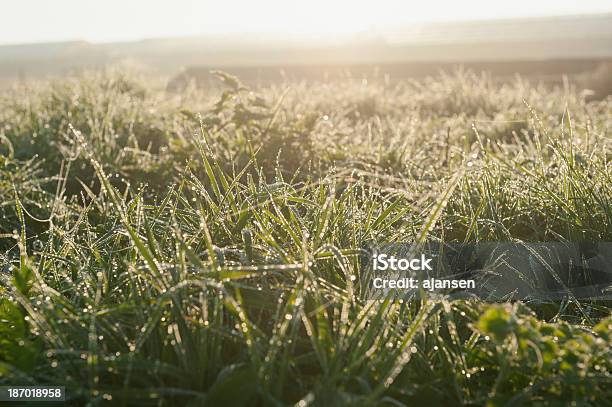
<point>384,262</point>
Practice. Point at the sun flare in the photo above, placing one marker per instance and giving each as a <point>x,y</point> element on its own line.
<point>63,20</point>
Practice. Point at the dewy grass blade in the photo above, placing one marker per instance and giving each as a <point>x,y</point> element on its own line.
<point>190,247</point>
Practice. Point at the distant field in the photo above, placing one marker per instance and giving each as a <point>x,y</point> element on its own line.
<point>515,45</point>
<point>200,247</point>
<point>578,71</point>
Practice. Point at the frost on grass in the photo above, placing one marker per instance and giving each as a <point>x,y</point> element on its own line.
<point>176,248</point>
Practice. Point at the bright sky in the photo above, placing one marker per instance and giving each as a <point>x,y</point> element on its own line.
<point>24,21</point>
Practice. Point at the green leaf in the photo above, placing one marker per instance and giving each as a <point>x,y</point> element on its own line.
<point>16,349</point>
<point>23,278</point>
<point>496,322</point>
<point>235,386</point>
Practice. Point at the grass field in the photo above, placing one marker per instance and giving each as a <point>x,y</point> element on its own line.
<point>202,247</point>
